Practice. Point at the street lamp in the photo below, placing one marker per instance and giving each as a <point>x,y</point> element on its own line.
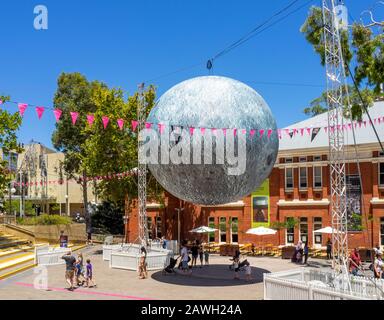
<point>66,205</point>
<point>12,191</point>
<point>178,224</point>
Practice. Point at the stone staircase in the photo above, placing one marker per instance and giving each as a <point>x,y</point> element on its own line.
<point>16,254</point>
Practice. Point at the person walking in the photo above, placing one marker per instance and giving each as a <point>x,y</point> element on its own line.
<point>80,270</point>
<point>378,265</point>
<point>354,262</point>
<point>143,264</point>
<point>236,267</point>
<point>70,261</point>
<point>306,252</point>
<point>206,257</point>
<point>195,253</point>
<point>184,257</point>
<point>89,274</point>
<point>248,272</point>
<point>329,249</point>
<point>201,255</point>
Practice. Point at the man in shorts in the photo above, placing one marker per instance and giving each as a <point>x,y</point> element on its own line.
<point>184,257</point>
<point>70,262</point>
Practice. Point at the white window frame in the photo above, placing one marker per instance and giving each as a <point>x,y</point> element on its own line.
<point>321,177</point>
<point>303,159</point>
<point>381,185</point>
<point>316,160</point>
<point>306,178</point>
<point>237,229</point>
<point>286,234</point>
<point>380,234</point>
<point>303,223</point>
<point>223,232</point>
<point>293,179</point>
<point>317,245</point>
<point>209,225</point>
<point>288,160</point>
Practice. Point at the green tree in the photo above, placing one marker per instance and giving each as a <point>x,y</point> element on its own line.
<point>108,217</point>
<point>112,150</point>
<point>366,50</point>
<point>9,124</point>
<point>74,94</point>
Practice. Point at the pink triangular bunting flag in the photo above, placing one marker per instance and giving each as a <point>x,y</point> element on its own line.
<point>134,124</point>
<point>105,120</point>
<point>40,111</point>
<point>261,132</point>
<point>74,116</point>
<point>252,132</point>
<point>202,130</point>
<point>120,123</point>
<point>191,130</point>
<point>224,132</point>
<point>22,107</point>
<point>269,133</point>
<point>90,119</point>
<point>57,113</point>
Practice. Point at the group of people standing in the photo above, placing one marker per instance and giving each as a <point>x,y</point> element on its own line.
<point>301,252</point>
<point>75,273</point>
<point>197,251</point>
<point>355,263</point>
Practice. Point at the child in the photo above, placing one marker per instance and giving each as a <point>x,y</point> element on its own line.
<point>201,255</point>
<point>248,272</point>
<point>206,257</point>
<point>80,270</point>
<point>89,274</point>
<point>236,267</point>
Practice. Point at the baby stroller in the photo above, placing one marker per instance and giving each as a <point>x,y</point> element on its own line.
<point>171,266</point>
<point>242,264</point>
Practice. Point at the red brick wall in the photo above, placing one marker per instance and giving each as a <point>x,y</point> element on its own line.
<point>194,216</point>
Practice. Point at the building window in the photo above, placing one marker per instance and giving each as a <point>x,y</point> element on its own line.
<point>211,224</point>
<point>158,227</point>
<point>234,230</point>
<point>317,177</point>
<point>381,154</point>
<point>288,178</point>
<point>381,174</point>
<point>303,178</point>
<point>149,226</point>
<point>318,224</point>
<point>223,229</point>
<point>288,160</point>
<point>382,231</point>
<point>302,159</point>
<point>290,231</point>
<point>304,229</point>
<point>316,158</point>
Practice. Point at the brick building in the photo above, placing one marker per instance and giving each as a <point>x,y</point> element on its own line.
<point>295,199</point>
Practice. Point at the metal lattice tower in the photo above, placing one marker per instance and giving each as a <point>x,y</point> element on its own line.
<point>142,170</point>
<point>336,90</point>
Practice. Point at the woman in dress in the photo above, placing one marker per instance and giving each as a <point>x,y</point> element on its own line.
<point>143,264</point>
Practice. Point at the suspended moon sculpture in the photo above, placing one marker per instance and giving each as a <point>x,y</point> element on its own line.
<point>219,103</point>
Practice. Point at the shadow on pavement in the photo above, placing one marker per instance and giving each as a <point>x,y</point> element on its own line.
<point>215,275</point>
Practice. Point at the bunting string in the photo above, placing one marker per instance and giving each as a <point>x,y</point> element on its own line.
<point>261,133</point>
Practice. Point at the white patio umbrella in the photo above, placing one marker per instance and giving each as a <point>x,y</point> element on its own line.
<point>326,230</point>
<point>261,231</point>
<point>203,229</point>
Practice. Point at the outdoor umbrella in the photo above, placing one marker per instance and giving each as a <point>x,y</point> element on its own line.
<point>261,231</point>
<point>203,229</point>
<point>326,230</point>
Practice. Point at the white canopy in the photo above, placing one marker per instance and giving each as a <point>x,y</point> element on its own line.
<point>261,231</point>
<point>326,230</point>
<point>203,229</point>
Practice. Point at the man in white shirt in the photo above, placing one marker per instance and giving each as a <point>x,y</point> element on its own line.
<point>184,257</point>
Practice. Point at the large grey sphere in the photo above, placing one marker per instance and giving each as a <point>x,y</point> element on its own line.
<point>216,102</point>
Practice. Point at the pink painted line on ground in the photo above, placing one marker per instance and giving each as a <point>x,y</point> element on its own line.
<point>116,295</point>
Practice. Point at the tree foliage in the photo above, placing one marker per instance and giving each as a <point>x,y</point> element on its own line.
<point>366,50</point>
<point>95,150</point>
<point>9,124</point>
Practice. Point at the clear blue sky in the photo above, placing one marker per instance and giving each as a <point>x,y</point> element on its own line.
<point>125,42</point>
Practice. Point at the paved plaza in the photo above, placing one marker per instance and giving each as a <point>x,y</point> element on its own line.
<point>212,282</point>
